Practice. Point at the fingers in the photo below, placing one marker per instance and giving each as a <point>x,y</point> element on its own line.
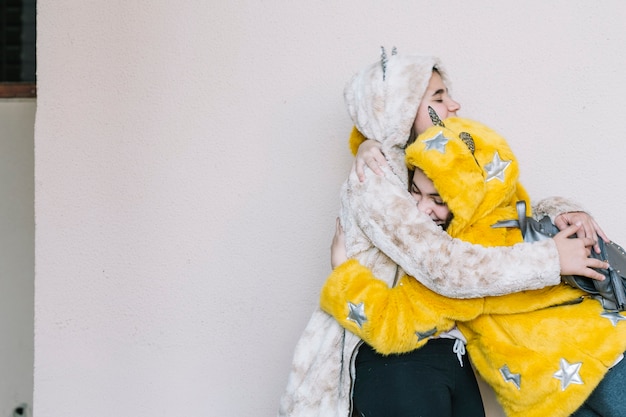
<point>570,230</point>
<point>373,163</point>
<point>597,231</point>
<point>338,252</point>
<point>589,270</point>
<point>600,232</point>
<point>370,155</point>
<point>588,243</point>
<point>338,228</point>
<point>358,168</point>
<point>598,264</point>
<point>376,162</point>
<point>574,253</point>
<point>588,231</point>
<point>592,273</point>
<point>590,228</point>
<point>561,221</point>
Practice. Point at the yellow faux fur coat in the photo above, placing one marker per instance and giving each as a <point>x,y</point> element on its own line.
<point>543,351</point>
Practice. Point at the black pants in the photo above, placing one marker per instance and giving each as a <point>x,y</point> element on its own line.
<point>427,382</point>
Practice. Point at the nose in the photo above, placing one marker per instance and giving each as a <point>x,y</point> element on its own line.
<point>424,206</point>
<point>454,106</point>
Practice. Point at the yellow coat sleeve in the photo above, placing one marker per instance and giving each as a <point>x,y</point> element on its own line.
<point>355,140</point>
<point>391,320</point>
<point>532,300</point>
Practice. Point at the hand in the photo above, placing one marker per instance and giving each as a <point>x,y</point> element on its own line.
<point>574,254</point>
<point>590,227</point>
<point>369,154</point>
<point>338,252</point>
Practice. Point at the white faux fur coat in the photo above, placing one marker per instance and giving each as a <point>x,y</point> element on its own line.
<point>386,233</point>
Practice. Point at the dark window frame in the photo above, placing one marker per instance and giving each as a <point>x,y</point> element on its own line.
<point>17,48</point>
<point>18,90</point>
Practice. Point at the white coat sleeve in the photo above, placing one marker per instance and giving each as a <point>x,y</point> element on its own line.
<point>386,213</point>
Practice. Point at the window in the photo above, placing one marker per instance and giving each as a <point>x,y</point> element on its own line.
<point>18,59</point>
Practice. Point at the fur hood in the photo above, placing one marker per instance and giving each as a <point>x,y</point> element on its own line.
<point>382,100</point>
<point>476,174</point>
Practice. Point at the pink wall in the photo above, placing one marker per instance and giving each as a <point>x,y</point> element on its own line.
<point>188,163</point>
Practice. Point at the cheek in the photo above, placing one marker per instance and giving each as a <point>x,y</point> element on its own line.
<point>422,122</point>
<point>442,212</point>
<point>440,109</point>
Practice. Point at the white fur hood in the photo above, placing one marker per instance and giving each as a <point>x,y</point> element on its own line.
<point>382,100</point>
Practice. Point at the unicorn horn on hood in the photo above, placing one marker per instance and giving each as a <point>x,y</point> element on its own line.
<point>383,58</point>
<point>464,136</point>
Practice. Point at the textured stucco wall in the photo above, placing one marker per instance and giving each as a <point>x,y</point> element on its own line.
<point>189,157</point>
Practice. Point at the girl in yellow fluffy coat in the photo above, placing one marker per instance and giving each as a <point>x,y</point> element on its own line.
<point>543,351</point>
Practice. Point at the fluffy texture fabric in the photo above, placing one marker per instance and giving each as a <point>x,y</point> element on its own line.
<point>477,197</point>
<point>520,343</point>
<point>383,103</point>
<point>386,234</point>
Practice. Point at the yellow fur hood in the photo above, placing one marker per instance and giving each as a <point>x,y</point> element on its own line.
<point>476,174</point>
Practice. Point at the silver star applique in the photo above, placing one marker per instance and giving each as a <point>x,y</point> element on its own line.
<point>496,168</point>
<point>614,316</point>
<point>568,374</point>
<point>438,142</point>
<point>424,335</point>
<point>357,313</point>
<point>509,376</point>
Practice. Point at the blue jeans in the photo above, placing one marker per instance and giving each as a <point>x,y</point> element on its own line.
<point>608,399</point>
<point>427,382</point>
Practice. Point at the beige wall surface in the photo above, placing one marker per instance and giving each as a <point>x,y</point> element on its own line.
<point>189,157</point>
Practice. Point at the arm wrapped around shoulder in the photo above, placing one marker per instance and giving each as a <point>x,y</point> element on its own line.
<point>386,216</point>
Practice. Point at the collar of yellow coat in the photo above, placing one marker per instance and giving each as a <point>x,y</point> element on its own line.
<point>480,188</point>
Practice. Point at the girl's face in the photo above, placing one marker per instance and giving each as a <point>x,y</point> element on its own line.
<point>428,199</point>
<point>437,97</point>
